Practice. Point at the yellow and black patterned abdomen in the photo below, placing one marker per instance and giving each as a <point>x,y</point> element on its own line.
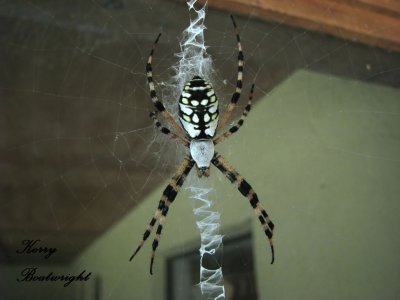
<point>198,109</point>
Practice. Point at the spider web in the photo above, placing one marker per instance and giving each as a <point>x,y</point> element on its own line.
<point>76,137</point>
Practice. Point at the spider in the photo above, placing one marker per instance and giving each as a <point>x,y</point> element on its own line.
<point>199,117</point>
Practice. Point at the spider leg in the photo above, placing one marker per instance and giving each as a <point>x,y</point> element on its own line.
<point>246,190</point>
<point>153,94</point>
<point>164,198</point>
<point>239,124</point>
<point>166,131</point>
<point>167,198</point>
<point>239,84</point>
<point>174,186</point>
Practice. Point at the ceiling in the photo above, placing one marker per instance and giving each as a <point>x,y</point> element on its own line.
<point>78,150</point>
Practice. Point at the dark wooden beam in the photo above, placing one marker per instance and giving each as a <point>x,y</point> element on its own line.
<point>375,23</point>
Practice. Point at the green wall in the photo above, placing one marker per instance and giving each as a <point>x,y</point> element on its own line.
<point>323,155</point>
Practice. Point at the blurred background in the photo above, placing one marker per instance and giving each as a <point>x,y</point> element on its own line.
<point>82,167</point>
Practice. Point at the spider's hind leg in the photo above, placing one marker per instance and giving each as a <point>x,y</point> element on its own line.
<point>246,190</point>
<point>173,189</point>
<point>150,226</point>
<point>160,214</point>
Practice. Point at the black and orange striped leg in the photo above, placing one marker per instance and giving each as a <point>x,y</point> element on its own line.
<point>166,131</point>
<point>153,94</point>
<point>246,190</point>
<point>167,198</point>
<point>153,221</point>
<point>239,80</point>
<point>239,124</point>
<point>173,189</point>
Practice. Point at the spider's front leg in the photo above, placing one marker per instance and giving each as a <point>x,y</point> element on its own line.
<point>153,94</point>
<point>246,190</point>
<point>160,214</point>
<point>239,80</point>
<point>239,124</point>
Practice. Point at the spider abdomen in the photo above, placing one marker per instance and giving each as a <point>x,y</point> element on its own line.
<point>198,109</point>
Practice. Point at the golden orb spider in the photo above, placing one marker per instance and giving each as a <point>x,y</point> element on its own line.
<point>199,117</point>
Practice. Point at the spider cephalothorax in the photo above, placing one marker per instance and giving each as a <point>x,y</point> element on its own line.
<point>199,117</point>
